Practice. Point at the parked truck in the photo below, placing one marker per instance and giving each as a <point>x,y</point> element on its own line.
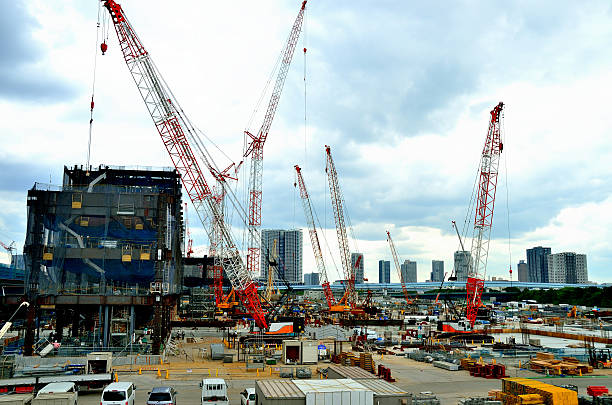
<point>98,373</point>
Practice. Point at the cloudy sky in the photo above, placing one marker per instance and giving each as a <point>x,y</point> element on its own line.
<point>401,91</point>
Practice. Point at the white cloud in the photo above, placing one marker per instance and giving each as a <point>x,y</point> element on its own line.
<point>403,104</point>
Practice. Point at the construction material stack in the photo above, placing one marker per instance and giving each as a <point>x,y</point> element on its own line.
<point>546,363</point>
<point>519,391</point>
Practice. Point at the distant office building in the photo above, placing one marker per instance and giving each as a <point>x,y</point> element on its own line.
<point>409,271</point>
<point>384,271</point>
<point>437,270</point>
<point>523,272</point>
<point>359,269</point>
<point>462,260</point>
<point>537,264</point>
<point>289,248</point>
<point>311,279</point>
<point>567,267</point>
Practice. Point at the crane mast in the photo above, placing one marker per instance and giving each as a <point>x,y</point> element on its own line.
<point>336,198</point>
<point>398,268</point>
<point>483,219</point>
<point>175,128</point>
<point>189,249</point>
<point>255,147</point>
<point>314,239</point>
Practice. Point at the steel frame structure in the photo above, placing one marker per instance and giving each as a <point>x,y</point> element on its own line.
<point>314,239</point>
<point>483,219</point>
<point>176,130</point>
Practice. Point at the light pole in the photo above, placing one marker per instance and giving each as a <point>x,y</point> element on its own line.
<point>8,323</point>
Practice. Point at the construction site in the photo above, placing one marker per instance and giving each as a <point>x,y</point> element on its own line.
<point>113,291</point>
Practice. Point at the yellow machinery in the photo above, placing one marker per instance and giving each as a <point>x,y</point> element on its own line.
<point>229,301</point>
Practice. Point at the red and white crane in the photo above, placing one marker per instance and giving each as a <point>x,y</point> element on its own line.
<point>337,204</point>
<point>189,249</point>
<point>483,220</point>
<point>398,268</point>
<point>178,134</point>
<point>254,149</point>
<point>217,246</point>
<point>314,239</point>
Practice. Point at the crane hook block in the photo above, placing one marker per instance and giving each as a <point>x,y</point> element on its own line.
<point>103,47</point>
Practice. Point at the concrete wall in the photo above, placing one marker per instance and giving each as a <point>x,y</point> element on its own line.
<point>24,361</point>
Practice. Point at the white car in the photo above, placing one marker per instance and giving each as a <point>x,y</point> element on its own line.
<point>119,393</point>
<point>247,397</point>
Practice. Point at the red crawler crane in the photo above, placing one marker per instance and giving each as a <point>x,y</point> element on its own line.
<point>337,204</point>
<point>176,132</point>
<point>487,184</point>
<point>255,147</point>
<point>314,239</point>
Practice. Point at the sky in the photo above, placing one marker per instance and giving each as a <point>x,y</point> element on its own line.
<point>401,91</point>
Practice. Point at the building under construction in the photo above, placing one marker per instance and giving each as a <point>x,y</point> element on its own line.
<point>104,252</point>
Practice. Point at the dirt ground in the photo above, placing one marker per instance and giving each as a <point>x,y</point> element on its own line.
<point>185,370</point>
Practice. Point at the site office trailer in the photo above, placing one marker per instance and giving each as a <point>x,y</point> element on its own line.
<point>300,352</point>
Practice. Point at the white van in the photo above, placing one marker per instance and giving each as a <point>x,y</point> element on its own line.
<point>119,393</point>
<point>214,391</point>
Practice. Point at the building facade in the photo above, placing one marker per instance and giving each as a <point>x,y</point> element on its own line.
<point>522,272</point>
<point>409,271</point>
<point>311,279</point>
<point>112,234</point>
<point>437,270</point>
<point>537,264</point>
<point>289,248</point>
<point>567,267</point>
<point>384,271</point>
<point>462,262</point>
<point>359,268</point>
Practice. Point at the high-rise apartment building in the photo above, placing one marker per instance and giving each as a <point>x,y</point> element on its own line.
<point>409,271</point>
<point>523,272</point>
<point>462,260</point>
<point>437,270</point>
<point>359,269</point>
<point>567,267</point>
<point>311,279</point>
<point>384,271</point>
<point>289,248</point>
<point>537,264</point>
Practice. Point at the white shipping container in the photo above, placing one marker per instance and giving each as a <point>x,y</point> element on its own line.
<point>335,392</point>
<point>340,398</point>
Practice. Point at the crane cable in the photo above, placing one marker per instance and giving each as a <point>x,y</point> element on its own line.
<point>503,122</point>
<point>93,87</point>
<point>304,39</point>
